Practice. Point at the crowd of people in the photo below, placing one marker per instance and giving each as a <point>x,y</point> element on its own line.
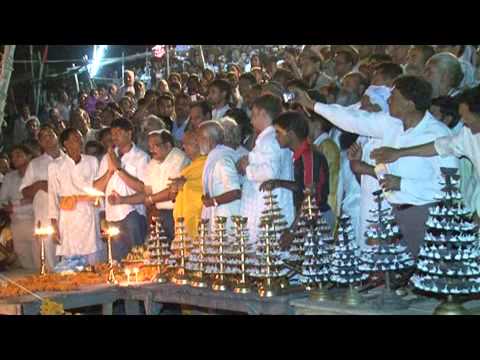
<point>343,121</point>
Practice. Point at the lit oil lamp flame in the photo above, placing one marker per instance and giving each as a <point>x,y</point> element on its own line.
<point>113,231</point>
<point>44,231</point>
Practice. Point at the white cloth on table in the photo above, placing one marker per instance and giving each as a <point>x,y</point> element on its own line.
<point>467,144</point>
<point>158,173</point>
<point>135,163</point>
<point>420,176</point>
<point>79,229</point>
<point>219,177</point>
<point>267,161</point>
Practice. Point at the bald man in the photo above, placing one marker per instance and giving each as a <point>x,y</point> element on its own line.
<point>129,80</point>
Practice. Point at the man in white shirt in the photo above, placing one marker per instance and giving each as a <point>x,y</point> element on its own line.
<point>122,172</point>
<point>20,209</point>
<point>70,209</point>
<point>219,93</point>
<point>468,69</point>
<point>35,186</point>
<point>412,184</point>
<point>220,180</point>
<point>465,143</point>
<point>167,162</point>
<point>444,72</point>
<point>182,112</point>
<point>374,100</point>
<point>267,161</point>
<point>129,78</point>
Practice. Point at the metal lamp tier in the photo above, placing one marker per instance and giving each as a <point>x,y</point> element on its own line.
<point>389,255</point>
<point>180,248</point>
<point>196,261</point>
<point>315,256</point>
<point>216,255</point>
<point>345,263</point>
<point>239,256</point>
<point>269,267</point>
<point>449,261</point>
<point>158,248</point>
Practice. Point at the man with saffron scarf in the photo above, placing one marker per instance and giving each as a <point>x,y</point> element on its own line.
<point>188,186</point>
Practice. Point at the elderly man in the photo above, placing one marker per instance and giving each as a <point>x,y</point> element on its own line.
<point>70,209</point>
<point>233,136</point>
<point>167,163</point>
<point>444,73</point>
<point>418,55</point>
<point>35,185</point>
<point>150,123</point>
<point>221,182</point>
<point>375,100</point>
<point>469,78</point>
<point>188,186</point>
<point>412,184</point>
<point>129,79</point>
<point>122,172</point>
<point>267,161</point>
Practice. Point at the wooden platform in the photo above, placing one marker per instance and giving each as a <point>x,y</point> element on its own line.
<point>154,294</point>
<point>417,306</point>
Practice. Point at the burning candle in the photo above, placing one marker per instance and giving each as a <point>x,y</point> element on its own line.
<point>128,272</point>
<point>41,233</point>
<point>136,271</point>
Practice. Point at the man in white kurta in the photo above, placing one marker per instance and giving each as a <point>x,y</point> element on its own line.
<point>267,161</point>
<point>125,180</point>
<point>220,179</point>
<point>413,183</point>
<point>159,172</point>
<point>35,176</point>
<point>79,227</point>
<point>220,176</point>
<point>375,100</point>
